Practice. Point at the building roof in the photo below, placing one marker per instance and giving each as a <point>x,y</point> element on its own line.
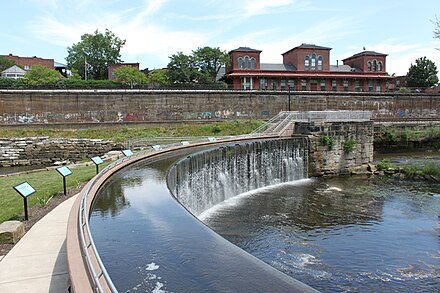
<point>344,68</point>
<point>14,69</point>
<point>277,67</point>
<point>365,53</point>
<point>308,46</point>
<point>245,49</point>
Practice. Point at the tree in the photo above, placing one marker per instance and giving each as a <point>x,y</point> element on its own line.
<point>209,61</point>
<point>182,69</point>
<point>157,77</point>
<point>5,63</point>
<point>130,75</point>
<point>422,74</point>
<point>92,55</point>
<point>40,74</point>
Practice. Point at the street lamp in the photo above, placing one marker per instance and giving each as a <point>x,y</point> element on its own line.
<point>288,106</point>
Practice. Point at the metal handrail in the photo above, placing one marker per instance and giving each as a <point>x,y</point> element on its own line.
<point>282,118</point>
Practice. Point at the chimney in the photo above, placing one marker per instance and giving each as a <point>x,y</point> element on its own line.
<point>337,63</point>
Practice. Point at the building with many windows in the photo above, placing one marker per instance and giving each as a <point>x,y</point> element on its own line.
<point>307,68</point>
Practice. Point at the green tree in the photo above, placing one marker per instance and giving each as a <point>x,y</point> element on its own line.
<point>5,63</point>
<point>182,69</point>
<point>40,74</point>
<point>130,75</point>
<point>92,55</point>
<point>209,61</point>
<point>157,77</point>
<point>422,74</point>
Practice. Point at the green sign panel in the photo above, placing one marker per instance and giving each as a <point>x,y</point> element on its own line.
<point>64,171</point>
<point>24,189</point>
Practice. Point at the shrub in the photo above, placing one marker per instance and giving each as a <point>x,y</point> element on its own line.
<point>327,140</point>
<point>350,145</point>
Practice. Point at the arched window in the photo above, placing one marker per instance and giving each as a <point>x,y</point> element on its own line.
<point>379,66</point>
<point>374,65</point>
<point>320,63</point>
<point>369,65</point>
<point>246,62</point>
<point>252,63</point>
<point>313,62</point>
<point>240,62</point>
<point>307,63</point>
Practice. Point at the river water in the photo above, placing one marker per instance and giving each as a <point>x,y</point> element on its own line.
<point>346,234</point>
<point>342,234</point>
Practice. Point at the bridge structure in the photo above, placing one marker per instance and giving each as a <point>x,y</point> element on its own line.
<point>86,269</point>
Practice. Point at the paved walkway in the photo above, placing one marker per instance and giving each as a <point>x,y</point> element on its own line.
<point>38,262</point>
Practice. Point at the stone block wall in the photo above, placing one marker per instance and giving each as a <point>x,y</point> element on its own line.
<point>107,106</point>
<point>45,151</point>
<point>334,158</point>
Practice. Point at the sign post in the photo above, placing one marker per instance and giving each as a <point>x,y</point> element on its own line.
<point>98,161</point>
<point>25,190</point>
<point>64,171</point>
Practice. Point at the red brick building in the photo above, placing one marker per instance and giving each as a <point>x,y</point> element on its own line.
<point>307,68</point>
<point>112,67</point>
<point>28,62</point>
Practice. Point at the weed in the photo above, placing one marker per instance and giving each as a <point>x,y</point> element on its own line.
<point>350,145</point>
<point>327,140</point>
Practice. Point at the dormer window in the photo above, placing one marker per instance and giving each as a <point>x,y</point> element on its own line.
<point>253,63</point>
<point>369,65</point>
<point>320,63</point>
<point>379,66</point>
<point>313,62</point>
<point>374,65</point>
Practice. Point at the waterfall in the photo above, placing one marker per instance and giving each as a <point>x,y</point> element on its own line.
<point>207,178</point>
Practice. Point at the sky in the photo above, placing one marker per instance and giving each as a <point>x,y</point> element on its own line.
<point>157,29</point>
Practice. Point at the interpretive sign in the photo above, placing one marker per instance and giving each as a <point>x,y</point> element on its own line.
<point>97,160</point>
<point>127,153</point>
<point>24,189</point>
<point>184,142</point>
<point>156,147</point>
<point>64,171</point>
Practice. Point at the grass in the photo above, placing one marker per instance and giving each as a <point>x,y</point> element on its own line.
<point>430,168</point>
<point>46,183</point>
<point>123,134</point>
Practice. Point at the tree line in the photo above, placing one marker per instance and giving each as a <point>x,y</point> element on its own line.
<point>88,60</point>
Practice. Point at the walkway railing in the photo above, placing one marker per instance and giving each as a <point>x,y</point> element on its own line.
<point>101,279</point>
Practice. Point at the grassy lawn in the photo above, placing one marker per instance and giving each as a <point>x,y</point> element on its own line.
<point>123,134</point>
<point>46,184</point>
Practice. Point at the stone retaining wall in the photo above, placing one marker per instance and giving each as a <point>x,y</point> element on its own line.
<point>43,150</point>
<point>105,106</point>
<point>326,159</point>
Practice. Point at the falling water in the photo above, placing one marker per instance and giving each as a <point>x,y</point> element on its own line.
<point>207,178</point>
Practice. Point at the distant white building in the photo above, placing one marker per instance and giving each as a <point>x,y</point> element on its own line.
<point>14,72</point>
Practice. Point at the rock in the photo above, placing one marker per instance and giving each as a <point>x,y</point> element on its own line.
<point>11,232</point>
<point>371,168</point>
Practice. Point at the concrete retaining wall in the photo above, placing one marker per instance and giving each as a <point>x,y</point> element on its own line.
<point>70,106</point>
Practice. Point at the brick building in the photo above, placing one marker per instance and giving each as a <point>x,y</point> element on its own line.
<point>27,62</point>
<point>307,68</point>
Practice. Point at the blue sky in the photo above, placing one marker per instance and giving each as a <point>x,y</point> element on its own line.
<point>156,29</point>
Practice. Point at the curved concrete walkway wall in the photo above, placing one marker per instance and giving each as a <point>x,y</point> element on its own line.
<point>87,275</point>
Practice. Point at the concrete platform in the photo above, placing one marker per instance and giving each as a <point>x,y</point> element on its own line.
<point>38,262</point>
